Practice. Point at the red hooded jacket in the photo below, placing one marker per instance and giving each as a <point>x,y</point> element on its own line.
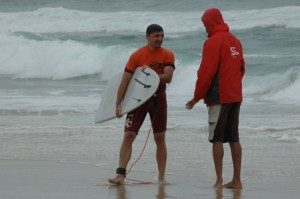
<point>222,67</point>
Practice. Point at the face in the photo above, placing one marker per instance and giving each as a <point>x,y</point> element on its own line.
<point>206,28</point>
<point>155,39</point>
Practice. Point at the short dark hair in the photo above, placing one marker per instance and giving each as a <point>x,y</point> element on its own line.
<point>153,28</point>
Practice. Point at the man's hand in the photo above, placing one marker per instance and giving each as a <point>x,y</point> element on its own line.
<point>190,104</point>
<point>118,111</point>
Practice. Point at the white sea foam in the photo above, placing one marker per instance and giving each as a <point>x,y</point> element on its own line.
<point>277,86</point>
<point>25,58</point>
<point>283,87</point>
<point>58,60</point>
<point>291,92</point>
<point>45,20</point>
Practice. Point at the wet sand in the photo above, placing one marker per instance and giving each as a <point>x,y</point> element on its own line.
<point>48,179</point>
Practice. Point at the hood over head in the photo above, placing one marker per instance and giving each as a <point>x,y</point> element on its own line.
<point>213,21</point>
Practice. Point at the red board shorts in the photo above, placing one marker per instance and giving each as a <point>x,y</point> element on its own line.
<point>156,106</point>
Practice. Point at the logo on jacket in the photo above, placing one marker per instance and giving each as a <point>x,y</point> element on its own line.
<point>233,51</point>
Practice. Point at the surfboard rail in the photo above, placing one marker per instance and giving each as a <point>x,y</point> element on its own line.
<point>142,86</point>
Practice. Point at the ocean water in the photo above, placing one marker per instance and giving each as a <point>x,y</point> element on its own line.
<point>57,56</point>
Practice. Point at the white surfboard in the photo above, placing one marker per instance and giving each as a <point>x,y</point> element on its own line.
<point>141,87</point>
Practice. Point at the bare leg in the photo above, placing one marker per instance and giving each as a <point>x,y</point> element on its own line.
<point>125,155</point>
<point>218,153</point>
<point>236,153</point>
<point>161,156</point>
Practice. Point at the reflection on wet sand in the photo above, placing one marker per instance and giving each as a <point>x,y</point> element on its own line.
<point>236,193</point>
<point>121,191</point>
<point>161,194</point>
<point>220,193</point>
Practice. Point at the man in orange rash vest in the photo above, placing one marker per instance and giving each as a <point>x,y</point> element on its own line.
<point>162,61</point>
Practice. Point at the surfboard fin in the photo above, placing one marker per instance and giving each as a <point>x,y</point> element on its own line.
<point>145,71</point>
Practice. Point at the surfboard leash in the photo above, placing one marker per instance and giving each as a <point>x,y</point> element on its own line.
<point>139,181</point>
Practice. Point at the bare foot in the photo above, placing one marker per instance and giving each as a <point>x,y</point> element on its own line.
<point>161,181</point>
<point>234,185</point>
<point>218,184</point>
<point>118,180</point>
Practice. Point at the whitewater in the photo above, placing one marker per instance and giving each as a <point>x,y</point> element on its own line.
<point>61,44</point>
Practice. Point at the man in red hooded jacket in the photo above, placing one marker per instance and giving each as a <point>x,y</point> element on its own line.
<point>219,83</point>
